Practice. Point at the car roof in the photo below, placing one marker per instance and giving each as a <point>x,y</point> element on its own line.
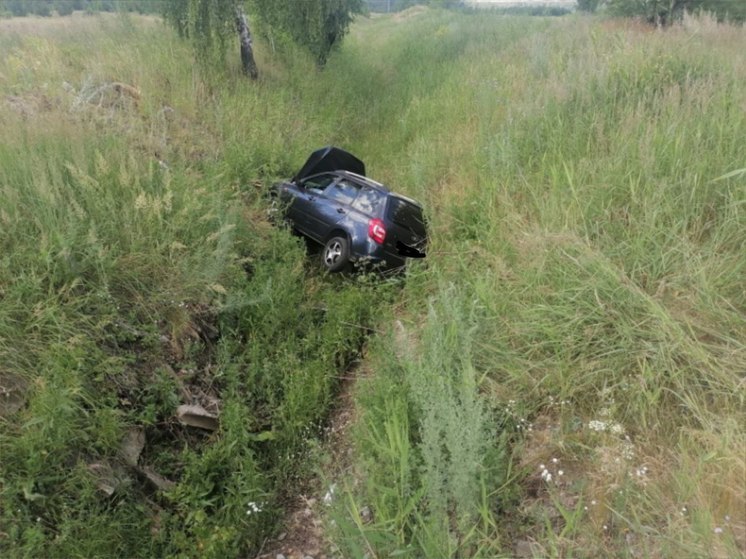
<point>367,181</point>
<point>377,185</point>
<point>407,199</point>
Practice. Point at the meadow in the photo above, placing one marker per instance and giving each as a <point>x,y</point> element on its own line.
<point>562,376</point>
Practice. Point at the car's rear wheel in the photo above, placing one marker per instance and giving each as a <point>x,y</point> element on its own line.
<point>336,254</point>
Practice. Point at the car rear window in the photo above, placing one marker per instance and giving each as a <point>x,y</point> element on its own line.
<point>406,214</point>
<point>370,202</point>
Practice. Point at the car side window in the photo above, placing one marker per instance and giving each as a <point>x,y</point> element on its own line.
<point>369,201</point>
<point>318,183</point>
<point>343,191</point>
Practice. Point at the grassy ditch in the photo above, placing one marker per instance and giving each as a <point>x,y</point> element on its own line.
<point>563,376</point>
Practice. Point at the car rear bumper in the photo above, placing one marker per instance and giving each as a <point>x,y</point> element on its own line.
<point>378,260</point>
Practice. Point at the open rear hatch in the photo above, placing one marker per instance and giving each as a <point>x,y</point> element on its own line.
<point>409,237</point>
<point>329,159</point>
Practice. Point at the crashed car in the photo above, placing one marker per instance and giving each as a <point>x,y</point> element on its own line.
<point>356,220</point>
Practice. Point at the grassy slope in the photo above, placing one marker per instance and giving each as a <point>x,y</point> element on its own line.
<point>584,300</point>
<point>586,265</point>
<point>138,274</point>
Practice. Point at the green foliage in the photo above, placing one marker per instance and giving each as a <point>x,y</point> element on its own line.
<point>589,5</point>
<point>665,12</point>
<point>317,25</point>
<point>208,24</point>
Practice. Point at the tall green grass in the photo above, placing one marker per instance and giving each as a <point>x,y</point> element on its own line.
<point>138,274</point>
<point>587,268</point>
<point>582,301</point>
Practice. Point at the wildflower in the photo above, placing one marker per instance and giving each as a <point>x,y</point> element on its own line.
<point>330,494</point>
<point>593,502</point>
<point>601,426</point>
<point>718,530</point>
<point>560,473</point>
<point>596,425</point>
<point>606,527</point>
<point>554,460</point>
<point>253,508</point>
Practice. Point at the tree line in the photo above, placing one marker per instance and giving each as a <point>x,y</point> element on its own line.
<point>666,12</point>
<point>316,25</point>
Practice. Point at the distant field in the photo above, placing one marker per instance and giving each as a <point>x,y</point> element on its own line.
<point>30,25</point>
<point>562,376</point>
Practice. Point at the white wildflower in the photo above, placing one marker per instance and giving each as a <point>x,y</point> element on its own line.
<point>329,496</point>
<point>610,426</point>
<point>253,508</point>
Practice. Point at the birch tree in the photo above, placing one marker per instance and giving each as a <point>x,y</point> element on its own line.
<point>316,25</point>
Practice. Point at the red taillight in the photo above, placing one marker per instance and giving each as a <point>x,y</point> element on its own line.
<point>377,231</point>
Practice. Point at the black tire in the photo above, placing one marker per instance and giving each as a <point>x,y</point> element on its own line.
<point>336,255</point>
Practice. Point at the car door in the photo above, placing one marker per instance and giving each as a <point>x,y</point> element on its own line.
<point>332,207</point>
<point>304,197</point>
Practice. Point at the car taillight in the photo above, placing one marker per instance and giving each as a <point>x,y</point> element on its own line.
<point>377,231</point>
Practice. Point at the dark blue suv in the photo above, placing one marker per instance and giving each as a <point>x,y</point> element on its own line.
<point>356,219</point>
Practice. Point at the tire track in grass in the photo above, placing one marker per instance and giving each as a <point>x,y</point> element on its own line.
<point>302,535</point>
